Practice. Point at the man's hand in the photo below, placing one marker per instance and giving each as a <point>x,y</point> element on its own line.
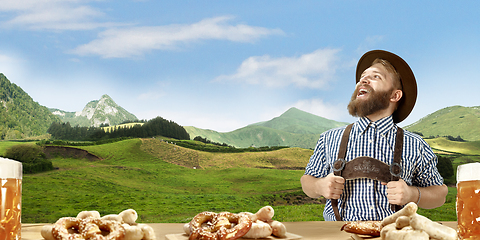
<point>399,193</point>
<point>330,187</point>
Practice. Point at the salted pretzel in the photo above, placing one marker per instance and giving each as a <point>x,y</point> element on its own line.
<point>219,226</point>
<point>371,228</point>
<point>67,228</point>
<point>70,228</point>
<point>89,225</point>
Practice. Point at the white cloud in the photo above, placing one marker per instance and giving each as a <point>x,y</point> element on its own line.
<point>53,15</point>
<point>135,41</point>
<point>312,70</point>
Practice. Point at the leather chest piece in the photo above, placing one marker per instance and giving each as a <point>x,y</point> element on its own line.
<point>367,167</point>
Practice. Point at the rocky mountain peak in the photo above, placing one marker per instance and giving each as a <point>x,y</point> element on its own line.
<point>97,112</point>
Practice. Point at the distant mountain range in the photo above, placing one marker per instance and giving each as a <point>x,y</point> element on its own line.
<point>97,112</point>
<point>450,121</point>
<point>21,117</point>
<point>294,128</point>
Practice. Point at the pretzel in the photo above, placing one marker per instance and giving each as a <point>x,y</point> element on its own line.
<point>371,228</point>
<point>67,228</point>
<point>88,225</point>
<point>221,226</point>
<point>242,226</point>
<point>212,226</point>
<point>100,229</point>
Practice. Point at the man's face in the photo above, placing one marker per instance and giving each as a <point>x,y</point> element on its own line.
<point>372,93</point>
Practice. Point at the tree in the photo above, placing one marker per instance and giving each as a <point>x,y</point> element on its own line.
<point>32,157</point>
<point>445,167</point>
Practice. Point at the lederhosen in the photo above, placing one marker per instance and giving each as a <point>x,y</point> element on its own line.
<point>367,167</point>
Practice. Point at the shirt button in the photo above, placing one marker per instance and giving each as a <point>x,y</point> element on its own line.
<point>370,140</point>
<point>369,184</point>
<point>371,207</point>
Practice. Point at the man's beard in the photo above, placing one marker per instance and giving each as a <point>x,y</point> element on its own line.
<point>375,102</point>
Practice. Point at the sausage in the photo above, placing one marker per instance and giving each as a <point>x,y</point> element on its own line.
<point>409,210</point>
<point>433,229</point>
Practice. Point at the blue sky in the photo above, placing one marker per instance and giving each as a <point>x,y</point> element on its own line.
<point>222,65</point>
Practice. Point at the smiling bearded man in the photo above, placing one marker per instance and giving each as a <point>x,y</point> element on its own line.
<point>377,101</point>
<point>372,168</point>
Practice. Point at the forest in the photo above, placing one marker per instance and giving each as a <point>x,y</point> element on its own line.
<point>20,116</point>
<point>155,127</point>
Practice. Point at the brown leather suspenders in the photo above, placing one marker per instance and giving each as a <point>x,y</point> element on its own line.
<point>367,167</point>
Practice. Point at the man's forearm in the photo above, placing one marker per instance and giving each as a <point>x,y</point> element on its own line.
<point>308,186</point>
<point>431,197</point>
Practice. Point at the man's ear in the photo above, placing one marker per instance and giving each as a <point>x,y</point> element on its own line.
<point>396,95</point>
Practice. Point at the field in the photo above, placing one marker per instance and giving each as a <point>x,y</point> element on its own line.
<point>129,177</point>
<point>167,183</point>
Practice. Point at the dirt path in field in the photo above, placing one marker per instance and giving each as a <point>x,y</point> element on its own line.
<point>69,152</point>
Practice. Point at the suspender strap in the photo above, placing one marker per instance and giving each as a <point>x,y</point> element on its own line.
<point>397,155</point>
<point>342,152</point>
<point>395,168</point>
<point>341,155</point>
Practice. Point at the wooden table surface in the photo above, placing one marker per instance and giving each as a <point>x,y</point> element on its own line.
<point>307,230</point>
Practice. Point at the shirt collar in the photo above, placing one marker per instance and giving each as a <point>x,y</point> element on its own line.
<point>383,125</point>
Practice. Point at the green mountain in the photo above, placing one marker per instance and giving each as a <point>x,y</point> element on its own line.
<point>20,116</point>
<point>294,128</point>
<point>104,111</point>
<point>451,121</point>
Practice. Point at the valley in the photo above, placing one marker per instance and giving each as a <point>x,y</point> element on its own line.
<point>168,183</point>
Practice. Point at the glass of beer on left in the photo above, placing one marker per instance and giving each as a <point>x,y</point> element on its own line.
<point>10,199</point>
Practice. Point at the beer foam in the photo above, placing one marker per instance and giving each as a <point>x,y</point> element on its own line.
<point>468,172</point>
<point>10,168</point>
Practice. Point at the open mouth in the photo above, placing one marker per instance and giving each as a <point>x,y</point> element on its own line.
<point>362,92</point>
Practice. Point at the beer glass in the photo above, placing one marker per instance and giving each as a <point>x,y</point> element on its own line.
<point>468,201</point>
<point>10,199</point>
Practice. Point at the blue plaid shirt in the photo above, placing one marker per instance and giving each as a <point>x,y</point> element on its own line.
<point>366,199</point>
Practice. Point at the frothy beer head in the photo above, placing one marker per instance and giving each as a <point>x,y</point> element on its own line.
<point>468,172</point>
<point>10,168</point>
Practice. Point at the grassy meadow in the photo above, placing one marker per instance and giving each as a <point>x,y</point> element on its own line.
<point>164,182</point>
<point>129,177</point>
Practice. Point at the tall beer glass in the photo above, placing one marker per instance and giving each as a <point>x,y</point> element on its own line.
<point>468,201</point>
<point>10,199</point>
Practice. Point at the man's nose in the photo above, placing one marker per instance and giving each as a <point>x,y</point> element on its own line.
<point>365,79</point>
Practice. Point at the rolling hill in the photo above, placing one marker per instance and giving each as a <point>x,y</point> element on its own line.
<point>20,116</point>
<point>451,121</point>
<point>158,180</point>
<point>294,128</point>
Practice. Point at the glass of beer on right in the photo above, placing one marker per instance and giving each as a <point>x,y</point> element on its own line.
<point>468,201</point>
